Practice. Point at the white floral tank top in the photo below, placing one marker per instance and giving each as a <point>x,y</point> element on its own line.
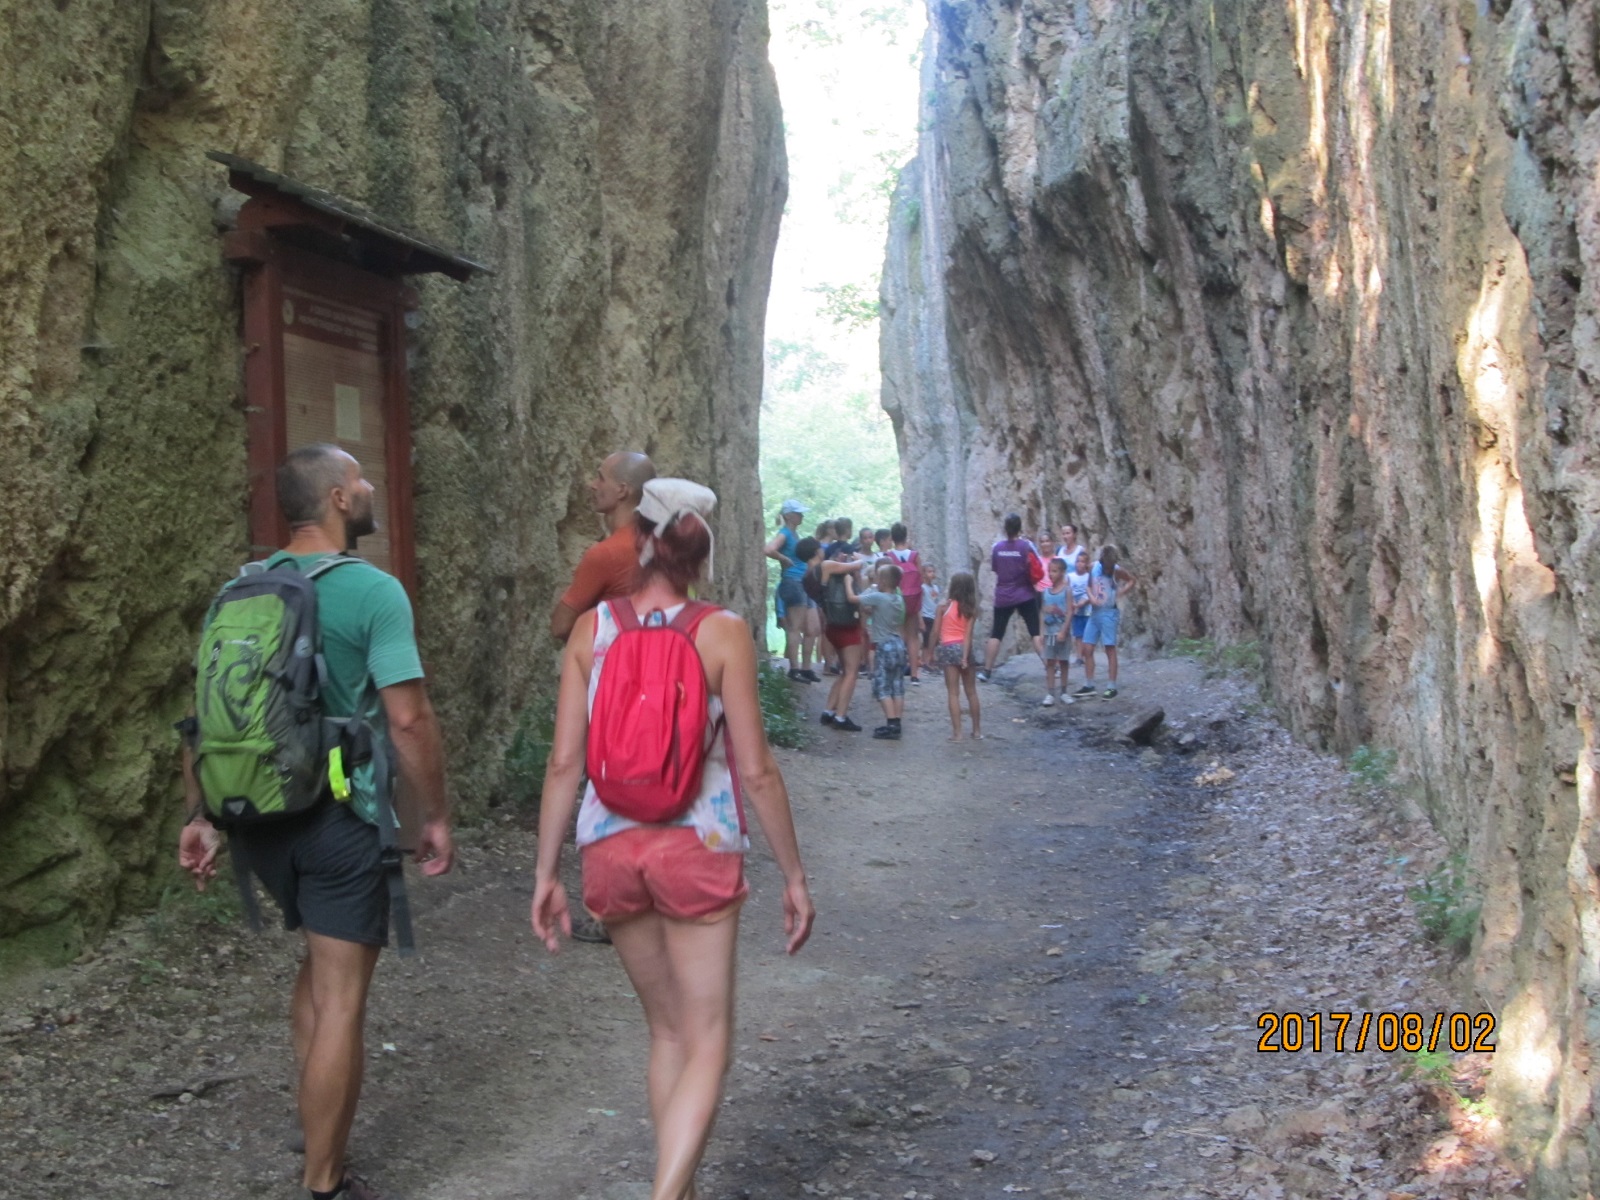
<point>717,813</point>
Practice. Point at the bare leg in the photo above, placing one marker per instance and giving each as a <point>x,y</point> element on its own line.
<point>991,651</point>
<point>683,973</point>
<point>952,687</point>
<point>1088,664</point>
<point>1111,665</point>
<point>912,632</point>
<point>791,640</point>
<point>850,661</point>
<point>969,677</point>
<point>302,1021</point>
<point>337,975</point>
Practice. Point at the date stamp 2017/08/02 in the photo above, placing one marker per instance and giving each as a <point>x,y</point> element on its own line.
<point>1292,1032</point>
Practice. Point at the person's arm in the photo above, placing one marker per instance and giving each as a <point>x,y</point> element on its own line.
<point>199,841</point>
<point>590,582</point>
<point>419,754</point>
<point>1127,579</point>
<point>938,622</point>
<point>562,773</point>
<point>775,551</point>
<point>726,639</point>
<point>562,619</point>
<point>850,588</point>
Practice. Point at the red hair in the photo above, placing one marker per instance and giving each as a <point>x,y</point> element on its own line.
<point>680,552</point>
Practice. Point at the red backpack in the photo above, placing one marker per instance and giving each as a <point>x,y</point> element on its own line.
<point>649,726</point>
<point>910,573</point>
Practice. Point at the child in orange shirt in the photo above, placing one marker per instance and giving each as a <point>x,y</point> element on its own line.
<point>953,625</point>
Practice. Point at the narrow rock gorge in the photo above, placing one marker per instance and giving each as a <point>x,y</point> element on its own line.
<point>1296,303</point>
<point>619,167</point>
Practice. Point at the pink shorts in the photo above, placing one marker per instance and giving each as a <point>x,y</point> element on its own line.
<point>668,871</point>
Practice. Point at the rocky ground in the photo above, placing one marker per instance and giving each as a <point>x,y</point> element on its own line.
<point>1039,968</point>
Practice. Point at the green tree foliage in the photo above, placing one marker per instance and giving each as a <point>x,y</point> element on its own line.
<point>848,304</point>
<point>829,447</point>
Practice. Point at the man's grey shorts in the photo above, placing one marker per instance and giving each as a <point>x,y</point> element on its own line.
<point>325,871</point>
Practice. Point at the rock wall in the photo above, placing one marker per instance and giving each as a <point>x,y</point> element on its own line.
<point>1296,303</point>
<point>620,165</point>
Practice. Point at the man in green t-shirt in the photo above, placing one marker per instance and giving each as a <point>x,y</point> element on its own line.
<point>323,869</point>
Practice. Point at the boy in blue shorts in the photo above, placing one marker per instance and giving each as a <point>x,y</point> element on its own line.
<point>883,612</point>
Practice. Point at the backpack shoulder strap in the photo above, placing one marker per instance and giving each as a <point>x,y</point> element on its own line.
<point>324,565</point>
<point>623,615</point>
<point>691,614</point>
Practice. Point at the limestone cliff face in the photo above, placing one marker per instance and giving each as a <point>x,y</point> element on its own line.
<point>1297,304</point>
<point>618,163</point>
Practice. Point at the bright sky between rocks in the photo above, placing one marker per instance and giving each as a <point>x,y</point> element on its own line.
<point>848,77</point>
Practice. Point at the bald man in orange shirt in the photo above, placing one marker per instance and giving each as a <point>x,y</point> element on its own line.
<point>608,567</point>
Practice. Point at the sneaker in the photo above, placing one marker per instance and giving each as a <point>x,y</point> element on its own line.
<point>826,718</point>
<point>916,679</point>
<point>1049,701</point>
<point>846,725</point>
<point>887,733</point>
<point>586,929</point>
<point>1066,699</point>
<point>983,677</point>
<point>830,669</point>
<point>811,676</point>
<point>800,676</point>
<point>1109,692</point>
<point>1086,690</point>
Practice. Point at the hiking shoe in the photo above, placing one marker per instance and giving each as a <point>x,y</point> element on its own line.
<point>826,718</point>
<point>1049,701</point>
<point>846,725</point>
<point>800,677</point>
<point>1109,692</point>
<point>811,676</point>
<point>1086,690</point>
<point>586,929</point>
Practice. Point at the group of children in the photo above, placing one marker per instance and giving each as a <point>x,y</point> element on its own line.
<point>872,603</point>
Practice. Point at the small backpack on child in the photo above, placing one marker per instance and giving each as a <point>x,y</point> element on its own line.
<point>910,575</point>
<point>650,727</point>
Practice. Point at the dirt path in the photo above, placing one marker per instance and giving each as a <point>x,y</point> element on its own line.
<point>1036,970</point>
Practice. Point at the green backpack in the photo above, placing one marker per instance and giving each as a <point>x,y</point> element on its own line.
<point>263,749</point>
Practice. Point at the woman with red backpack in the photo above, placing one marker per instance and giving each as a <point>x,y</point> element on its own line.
<point>658,701</point>
<point>911,591</point>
